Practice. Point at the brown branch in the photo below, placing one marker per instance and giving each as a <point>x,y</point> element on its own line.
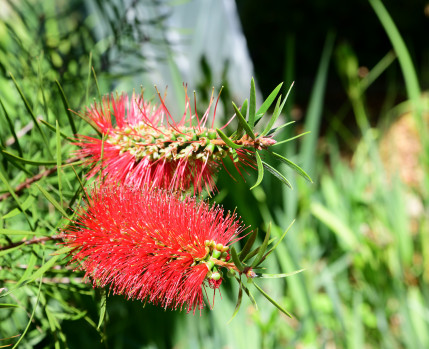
<point>27,183</point>
<point>34,240</point>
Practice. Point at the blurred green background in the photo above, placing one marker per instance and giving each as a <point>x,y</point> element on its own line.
<point>361,69</point>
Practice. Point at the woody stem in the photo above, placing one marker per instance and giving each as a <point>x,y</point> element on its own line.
<point>224,264</point>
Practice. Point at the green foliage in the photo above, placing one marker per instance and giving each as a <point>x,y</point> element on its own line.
<point>352,270</point>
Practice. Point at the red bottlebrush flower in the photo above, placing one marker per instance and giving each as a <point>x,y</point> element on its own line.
<point>146,147</point>
<point>152,245</point>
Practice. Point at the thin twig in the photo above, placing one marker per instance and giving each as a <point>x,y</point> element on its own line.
<point>34,240</point>
<point>27,183</point>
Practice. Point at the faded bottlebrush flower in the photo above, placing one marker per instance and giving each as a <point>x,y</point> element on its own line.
<point>152,245</point>
<point>145,146</point>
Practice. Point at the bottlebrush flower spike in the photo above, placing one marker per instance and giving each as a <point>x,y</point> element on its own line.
<point>152,245</point>
<point>146,147</point>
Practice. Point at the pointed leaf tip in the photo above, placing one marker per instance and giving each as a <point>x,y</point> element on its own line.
<point>243,122</point>
<point>272,301</point>
<point>227,140</point>
<point>260,170</point>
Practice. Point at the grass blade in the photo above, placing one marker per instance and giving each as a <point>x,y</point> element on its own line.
<point>31,316</point>
<point>11,128</point>
<point>51,127</point>
<point>36,123</point>
<point>29,162</point>
<point>6,231</point>
<point>51,199</point>
<point>66,107</point>
<point>315,106</point>
<point>58,141</point>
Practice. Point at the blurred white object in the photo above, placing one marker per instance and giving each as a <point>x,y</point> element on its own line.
<point>209,28</point>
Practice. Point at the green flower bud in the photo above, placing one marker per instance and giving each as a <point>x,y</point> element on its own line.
<point>211,134</point>
<point>215,276</point>
<point>210,264</point>
<point>216,254</point>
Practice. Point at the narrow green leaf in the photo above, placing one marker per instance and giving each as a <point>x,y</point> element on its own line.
<point>260,170</point>
<point>33,116</point>
<point>32,314</point>
<point>45,267</point>
<point>270,99</point>
<point>16,211</point>
<point>334,222</point>
<point>250,295</point>
<point>41,84</point>
<point>263,247</point>
<point>17,232</point>
<point>9,250</point>
<point>103,305</point>
<point>243,122</point>
<point>277,111</point>
<point>51,127</point>
<point>291,139</point>
<point>15,197</point>
<point>5,305</point>
<point>17,164</point>
<point>236,260</point>
<point>89,78</point>
<point>11,128</point>
<point>30,267</point>
<point>273,130</point>
<point>273,118</point>
<point>29,162</point>
<point>278,242</point>
<point>51,200</point>
<point>61,251</point>
<point>256,250</point>
<point>314,113</point>
<point>227,141</point>
<point>277,174</point>
<point>60,186</point>
<point>277,276</point>
<point>96,84</point>
<point>237,306</point>
<point>243,109</point>
<point>248,245</point>
<point>252,104</point>
<point>81,185</point>
<point>53,323</point>
<point>66,107</point>
<point>272,301</point>
<point>293,166</point>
